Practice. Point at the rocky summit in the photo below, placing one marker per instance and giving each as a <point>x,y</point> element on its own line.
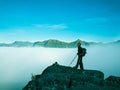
<point>58,77</point>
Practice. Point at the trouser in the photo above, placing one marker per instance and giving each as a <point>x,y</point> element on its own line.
<point>79,62</point>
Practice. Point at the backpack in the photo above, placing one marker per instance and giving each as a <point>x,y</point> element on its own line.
<point>84,51</point>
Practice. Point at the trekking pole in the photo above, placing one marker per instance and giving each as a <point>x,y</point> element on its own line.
<point>73,60</point>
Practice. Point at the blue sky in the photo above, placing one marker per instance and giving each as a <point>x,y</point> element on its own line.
<point>67,20</point>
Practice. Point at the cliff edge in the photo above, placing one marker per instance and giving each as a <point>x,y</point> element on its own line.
<point>58,77</point>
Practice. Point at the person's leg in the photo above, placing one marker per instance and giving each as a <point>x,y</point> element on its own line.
<point>76,66</point>
<point>81,64</point>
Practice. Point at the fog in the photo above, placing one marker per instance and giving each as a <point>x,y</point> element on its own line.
<point>17,64</point>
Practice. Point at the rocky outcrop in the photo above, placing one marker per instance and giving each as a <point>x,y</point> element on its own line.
<point>57,77</point>
<point>112,81</point>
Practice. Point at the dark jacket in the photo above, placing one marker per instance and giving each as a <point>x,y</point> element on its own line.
<point>79,50</point>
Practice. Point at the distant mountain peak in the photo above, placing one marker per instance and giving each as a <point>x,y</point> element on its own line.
<point>78,40</point>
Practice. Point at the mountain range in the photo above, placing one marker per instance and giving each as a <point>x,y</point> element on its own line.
<point>54,43</point>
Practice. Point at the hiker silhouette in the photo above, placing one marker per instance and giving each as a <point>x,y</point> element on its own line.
<point>81,53</point>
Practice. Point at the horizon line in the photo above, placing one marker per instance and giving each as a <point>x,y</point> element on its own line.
<point>33,41</point>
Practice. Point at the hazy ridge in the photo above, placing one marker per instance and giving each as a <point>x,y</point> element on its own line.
<point>54,43</point>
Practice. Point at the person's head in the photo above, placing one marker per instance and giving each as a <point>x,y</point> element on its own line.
<point>79,44</point>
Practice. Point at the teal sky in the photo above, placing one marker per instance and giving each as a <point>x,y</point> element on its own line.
<point>68,20</point>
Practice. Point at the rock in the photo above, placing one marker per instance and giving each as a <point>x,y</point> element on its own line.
<point>58,77</point>
<point>112,81</point>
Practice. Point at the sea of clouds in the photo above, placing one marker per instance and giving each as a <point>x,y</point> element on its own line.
<point>17,64</point>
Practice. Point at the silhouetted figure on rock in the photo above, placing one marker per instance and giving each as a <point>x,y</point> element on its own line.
<point>81,53</point>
